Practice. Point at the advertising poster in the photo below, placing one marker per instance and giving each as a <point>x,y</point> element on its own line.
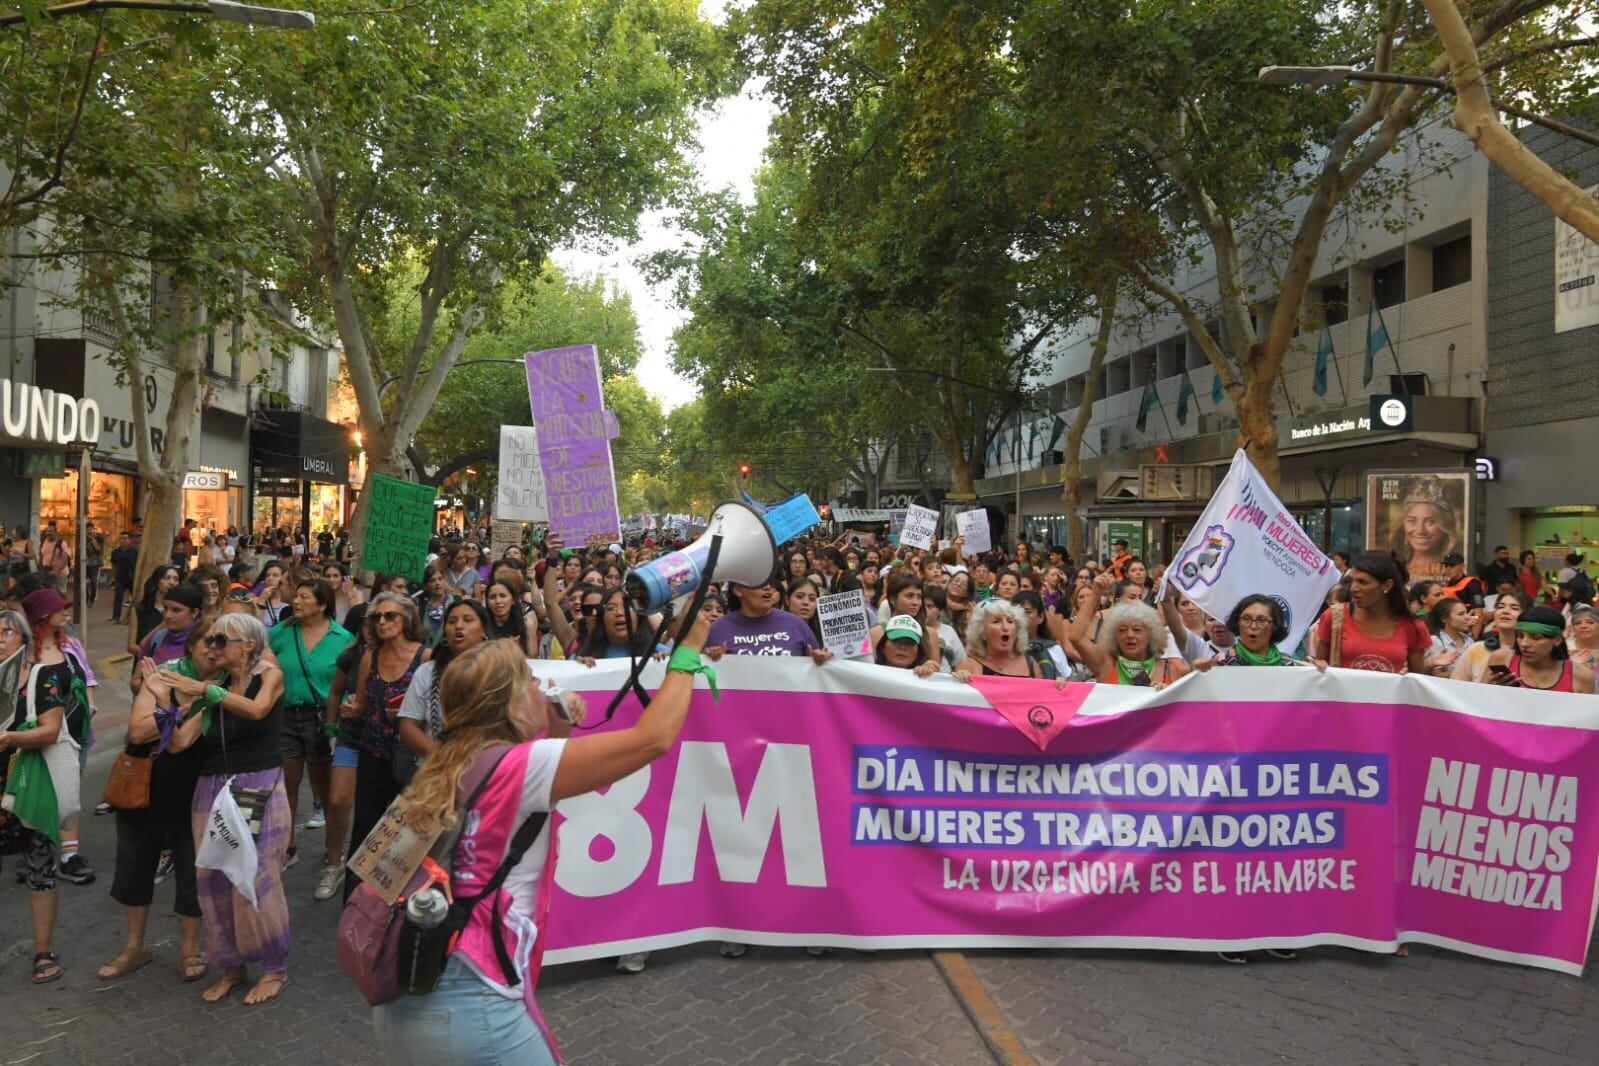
<point>1420,516</point>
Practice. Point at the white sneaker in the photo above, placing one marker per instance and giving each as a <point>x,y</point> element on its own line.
<point>318,818</point>
<point>632,963</point>
<point>327,886</point>
<point>731,950</point>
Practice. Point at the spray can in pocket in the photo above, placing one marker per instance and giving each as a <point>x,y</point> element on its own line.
<point>425,942</point>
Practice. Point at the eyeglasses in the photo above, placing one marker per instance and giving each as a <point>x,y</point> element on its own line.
<point>218,641</point>
<point>387,616</point>
<point>616,607</point>
<point>1254,622</point>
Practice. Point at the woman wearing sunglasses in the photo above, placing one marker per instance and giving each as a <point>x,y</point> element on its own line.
<point>241,747</point>
<point>394,652</point>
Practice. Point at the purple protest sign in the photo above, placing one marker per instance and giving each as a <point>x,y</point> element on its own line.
<point>575,431</point>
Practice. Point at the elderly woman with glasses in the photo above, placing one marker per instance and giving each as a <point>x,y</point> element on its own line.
<point>394,651</point>
<point>240,736</point>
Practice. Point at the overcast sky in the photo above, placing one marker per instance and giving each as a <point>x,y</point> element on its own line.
<point>732,138</point>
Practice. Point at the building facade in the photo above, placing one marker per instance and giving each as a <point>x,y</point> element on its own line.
<point>62,357</point>
<point>1543,364</point>
<point>1160,437</point>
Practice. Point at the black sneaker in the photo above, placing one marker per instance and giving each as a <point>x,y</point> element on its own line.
<point>164,868</point>
<point>76,870</point>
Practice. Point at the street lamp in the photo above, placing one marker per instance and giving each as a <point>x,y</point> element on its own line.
<point>1322,77</point>
<point>226,10</point>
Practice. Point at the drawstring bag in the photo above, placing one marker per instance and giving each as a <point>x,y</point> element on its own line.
<point>229,846</point>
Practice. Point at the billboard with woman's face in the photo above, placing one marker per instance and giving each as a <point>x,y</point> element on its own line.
<point>1420,516</point>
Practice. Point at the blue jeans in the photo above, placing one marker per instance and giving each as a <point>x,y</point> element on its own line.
<point>463,1022</point>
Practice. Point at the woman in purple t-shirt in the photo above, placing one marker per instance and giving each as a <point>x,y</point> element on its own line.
<point>757,626</point>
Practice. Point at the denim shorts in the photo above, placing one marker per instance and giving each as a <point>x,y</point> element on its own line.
<point>346,756</point>
<point>462,1021</point>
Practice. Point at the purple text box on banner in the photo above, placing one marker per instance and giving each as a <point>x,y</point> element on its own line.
<point>861,806</point>
<point>574,433</point>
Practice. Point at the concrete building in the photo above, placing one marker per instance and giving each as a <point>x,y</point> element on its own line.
<point>264,413</point>
<point>1543,364</point>
<point>1423,262</point>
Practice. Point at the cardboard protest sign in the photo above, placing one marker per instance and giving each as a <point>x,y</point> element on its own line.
<point>399,522</point>
<point>520,494</point>
<point>502,536</point>
<point>792,517</point>
<point>846,627</point>
<point>921,526</point>
<point>574,442</point>
<point>973,526</point>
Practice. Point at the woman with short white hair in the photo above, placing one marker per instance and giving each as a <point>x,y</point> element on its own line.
<point>996,643</point>
<point>1130,649</point>
<point>240,735</point>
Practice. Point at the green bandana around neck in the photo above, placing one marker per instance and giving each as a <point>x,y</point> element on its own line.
<point>1273,656</point>
<point>1128,669</point>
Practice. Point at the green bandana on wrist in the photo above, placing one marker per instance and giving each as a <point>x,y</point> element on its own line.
<point>686,660</point>
<point>1273,657</point>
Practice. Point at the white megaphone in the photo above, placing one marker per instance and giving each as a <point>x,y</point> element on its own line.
<point>748,556</point>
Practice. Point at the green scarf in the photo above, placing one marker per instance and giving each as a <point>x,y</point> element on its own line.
<point>1273,657</point>
<point>1128,669</point>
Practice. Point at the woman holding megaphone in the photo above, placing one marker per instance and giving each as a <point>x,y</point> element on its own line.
<point>495,716</point>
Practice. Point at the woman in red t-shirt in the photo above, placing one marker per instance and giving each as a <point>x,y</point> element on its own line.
<point>1377,631</point>
<point>1531,580</point>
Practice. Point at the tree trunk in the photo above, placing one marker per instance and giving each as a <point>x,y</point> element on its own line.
<point>1477,118</point>
<point>960,468</point>
<point>1257,429</point>
<point>1072,475</point>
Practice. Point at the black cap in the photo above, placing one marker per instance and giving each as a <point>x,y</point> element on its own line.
<point>188,595</point>
<point>1454,559</point>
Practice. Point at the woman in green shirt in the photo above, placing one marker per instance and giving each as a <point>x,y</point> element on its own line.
<point>308,646</point>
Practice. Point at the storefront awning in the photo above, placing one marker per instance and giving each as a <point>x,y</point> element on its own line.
<point>297,444</point>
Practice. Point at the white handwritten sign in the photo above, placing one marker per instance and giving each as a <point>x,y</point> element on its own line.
<point>520,496</point>
<point>921,525</point>
<point>973,526</point>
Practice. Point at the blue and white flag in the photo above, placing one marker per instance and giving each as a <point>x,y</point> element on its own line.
<point>1247,542</point>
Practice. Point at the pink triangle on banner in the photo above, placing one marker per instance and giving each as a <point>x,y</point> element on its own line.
<point>1037,709</point>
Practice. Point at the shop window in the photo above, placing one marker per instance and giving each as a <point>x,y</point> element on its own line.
<point>1451,264</point>
<point>1388,284</point>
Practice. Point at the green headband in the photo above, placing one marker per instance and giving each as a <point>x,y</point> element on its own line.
<point>1540,629</point>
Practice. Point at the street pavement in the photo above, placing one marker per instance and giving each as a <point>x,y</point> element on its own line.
<point>781,1006</point>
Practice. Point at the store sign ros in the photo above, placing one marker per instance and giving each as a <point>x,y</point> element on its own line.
<point>44,416</point>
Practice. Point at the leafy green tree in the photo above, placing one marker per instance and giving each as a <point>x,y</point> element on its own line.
<point>474,138</point>
<point>551,311</point>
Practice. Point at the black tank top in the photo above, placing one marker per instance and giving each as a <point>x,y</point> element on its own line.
<point>239,745</point>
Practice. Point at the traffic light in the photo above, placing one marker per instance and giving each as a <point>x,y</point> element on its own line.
<point>743,470</point>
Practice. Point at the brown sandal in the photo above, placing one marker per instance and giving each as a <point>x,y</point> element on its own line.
<point>193,967</point>
<point>127,960</point>
<point>269,985</point>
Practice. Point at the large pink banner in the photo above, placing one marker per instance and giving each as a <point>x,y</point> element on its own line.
<point>860,806</point>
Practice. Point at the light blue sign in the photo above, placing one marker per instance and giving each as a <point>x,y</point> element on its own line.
<point>792,517</point>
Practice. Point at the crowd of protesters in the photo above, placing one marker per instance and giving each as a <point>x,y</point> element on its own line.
<point>268,675</point>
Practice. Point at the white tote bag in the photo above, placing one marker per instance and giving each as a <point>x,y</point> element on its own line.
<point>228,845</point>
